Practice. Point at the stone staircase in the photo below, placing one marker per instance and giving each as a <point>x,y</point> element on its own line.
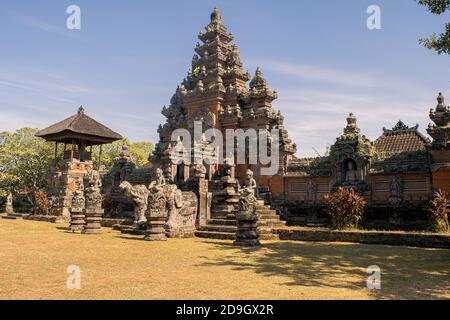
<point>225,229</point>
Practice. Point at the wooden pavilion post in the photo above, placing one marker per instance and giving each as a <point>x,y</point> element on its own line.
<point>100,157</point>
<point>56,153</point>
<point>71,150</point>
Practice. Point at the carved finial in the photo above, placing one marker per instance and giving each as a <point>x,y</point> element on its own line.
<point>125,153</point>
<point>81,110</point>
<point>351,120</point>
<point>258,81</point>
<point>440,98</point>
<point>216,16</point>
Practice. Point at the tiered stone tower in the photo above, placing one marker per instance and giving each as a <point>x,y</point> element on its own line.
<point>215,92</point>
<point>218,93</point>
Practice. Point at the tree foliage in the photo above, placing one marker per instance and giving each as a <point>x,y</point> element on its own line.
<point>25,162</point>
<point>346,208</point>
<point>439,211</point>
<point>440,43</point>
<point>139,152</point>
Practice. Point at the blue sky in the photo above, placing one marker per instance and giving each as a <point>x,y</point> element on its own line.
<point>126,61</point>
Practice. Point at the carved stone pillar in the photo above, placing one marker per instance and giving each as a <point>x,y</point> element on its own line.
<point>247,234</point>
<point>247,221</point>
<point>93,221</point>
<point>77,220</point>
<point>156,220</point>
<point>93,196</point>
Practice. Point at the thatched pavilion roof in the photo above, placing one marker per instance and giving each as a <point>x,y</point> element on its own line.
<point>79,127</point>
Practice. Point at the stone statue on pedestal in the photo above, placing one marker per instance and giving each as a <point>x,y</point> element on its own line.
<point>94,200</point>
<point>250,185</point>
<point>139,196</point>
<point>77,216</point>
<point>200,171</point>
<point>156,209</point>
<point>170,211</point>
<point>159,182</point>
<point>247,217</point>
<point>351,176</point>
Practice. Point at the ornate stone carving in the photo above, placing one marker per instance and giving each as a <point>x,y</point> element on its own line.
<point>395,189</point>
<point>311,189</point>
<point>440,130</point>
<point>182,211</point>
<point>200,171</point>
<point>247,217</point>
<point>77,216</point>
<point>250,185</point>
<point>94,200</point>
<point>205,116</point>
<point>168,212</point>
<point>159,182</point>
<point>139,196</point>
<point>351,175</point>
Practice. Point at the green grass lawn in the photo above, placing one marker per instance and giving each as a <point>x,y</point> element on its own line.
<point>34,257</point>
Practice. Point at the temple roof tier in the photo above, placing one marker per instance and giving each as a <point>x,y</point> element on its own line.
<point>79,127</point>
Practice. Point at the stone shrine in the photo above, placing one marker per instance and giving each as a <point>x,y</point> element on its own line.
<point>78,134</point>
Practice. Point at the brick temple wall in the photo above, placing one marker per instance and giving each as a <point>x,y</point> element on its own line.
<point>441,179</point>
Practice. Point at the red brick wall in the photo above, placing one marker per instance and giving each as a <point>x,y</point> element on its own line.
<point>441,179</point>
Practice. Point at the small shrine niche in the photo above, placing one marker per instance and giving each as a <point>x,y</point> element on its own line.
<point>351,172</point>
<point>351,157</point>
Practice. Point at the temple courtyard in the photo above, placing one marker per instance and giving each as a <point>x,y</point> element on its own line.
<point>35,256</point>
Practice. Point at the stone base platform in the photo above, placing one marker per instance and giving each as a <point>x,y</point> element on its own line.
<point>411,239</point>
<point>14,216</point>
<point>42,218</point>
<point>225,229</point>
<point>112,222</point>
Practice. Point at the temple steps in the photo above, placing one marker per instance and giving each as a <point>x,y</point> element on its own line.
<point>131,230</point>
<point>215,235</point>
<point>225,229</point>
<point>225,222</point>
<point>220,228</point>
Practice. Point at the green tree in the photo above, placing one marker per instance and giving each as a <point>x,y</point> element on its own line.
<point>25,161</point>
<point>440,43</point>
<point>139,152</point>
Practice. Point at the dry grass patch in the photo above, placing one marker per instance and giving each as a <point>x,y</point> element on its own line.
<point>34,257</point>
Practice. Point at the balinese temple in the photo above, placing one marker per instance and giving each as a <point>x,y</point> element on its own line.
<point>396,173</point>
<point>217,92</point>
<point>77,135</point>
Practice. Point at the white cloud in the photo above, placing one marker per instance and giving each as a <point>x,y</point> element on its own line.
<point>316,115</point>
<point>47,27</point>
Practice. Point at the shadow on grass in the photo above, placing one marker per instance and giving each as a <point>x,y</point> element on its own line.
<point>407,273</point>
